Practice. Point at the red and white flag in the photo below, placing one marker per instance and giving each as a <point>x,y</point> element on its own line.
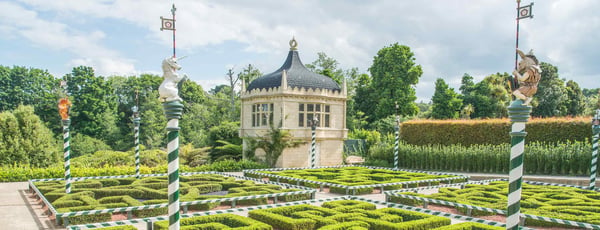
<point>167,24</point>
<point>525,11</point>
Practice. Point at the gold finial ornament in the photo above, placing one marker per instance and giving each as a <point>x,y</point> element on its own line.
<point>293,44</point>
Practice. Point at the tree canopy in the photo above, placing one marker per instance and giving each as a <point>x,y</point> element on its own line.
<point>446,103</point>
<point>394,75</point>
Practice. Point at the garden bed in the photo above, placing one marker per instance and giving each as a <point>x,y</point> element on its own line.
<point>542,204</point>
<point>354,179</point>
<point>345,212</point>
<point>100,199</point>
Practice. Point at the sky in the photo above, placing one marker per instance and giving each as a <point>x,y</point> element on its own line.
<point>448,37</point>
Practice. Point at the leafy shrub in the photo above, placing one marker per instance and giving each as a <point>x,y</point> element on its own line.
<point>193,156</point>
<point>103,158</point>
<point>82,145</point>
<point>24,139</point>
<point>153,157</point>
<point>372,137</point>
<point>15,173</point>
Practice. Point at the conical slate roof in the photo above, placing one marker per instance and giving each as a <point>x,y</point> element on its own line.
<point>297,75</point>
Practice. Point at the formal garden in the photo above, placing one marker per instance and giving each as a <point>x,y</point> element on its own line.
<point>122,152</point>
<point>119,186</point>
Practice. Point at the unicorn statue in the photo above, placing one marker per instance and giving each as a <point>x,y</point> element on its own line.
<point>168,89</point>
<point>528,73</point>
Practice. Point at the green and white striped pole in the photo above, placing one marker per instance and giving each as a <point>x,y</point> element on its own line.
<point>136,136</point>
<point>595,137</point>
<point>518,114</point>
<point>67,154</point>
<point>397,138</point>
<point>313,149</point>
<point>173,111</point>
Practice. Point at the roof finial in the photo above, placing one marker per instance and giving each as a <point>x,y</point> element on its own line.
<point>293,44</point>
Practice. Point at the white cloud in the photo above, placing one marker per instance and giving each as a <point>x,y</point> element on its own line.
<point>84,45</point>
<point>449,38</point>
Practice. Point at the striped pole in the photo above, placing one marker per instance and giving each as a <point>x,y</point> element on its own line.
<point>397,137</point>
<point>313,157</point>
<point>67,154</point>
<point>396,142</point>
<point>173,110</point>
<point>518,114</point>
<point>136,136</point>
<point>595,137</point>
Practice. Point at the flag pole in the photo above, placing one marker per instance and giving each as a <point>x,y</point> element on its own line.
<point>514,81</point>
<point>173,14</point>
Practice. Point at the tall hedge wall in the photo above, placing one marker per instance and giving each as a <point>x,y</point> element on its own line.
<point>494,131</point>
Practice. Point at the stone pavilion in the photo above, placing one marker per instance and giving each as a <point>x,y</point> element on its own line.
<point>294,96</point>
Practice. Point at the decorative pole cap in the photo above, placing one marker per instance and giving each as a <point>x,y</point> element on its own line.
<point>517,112</point>
<point>173,109</point>
<point>293,44</point>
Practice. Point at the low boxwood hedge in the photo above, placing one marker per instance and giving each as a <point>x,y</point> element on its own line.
<point>354,176</point>
<point>94,195</point>
<point>345,214</point>
<point>219,221</point>
<point>558,202</point>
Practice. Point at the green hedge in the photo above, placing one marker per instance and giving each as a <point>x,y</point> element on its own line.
<point>543,159</point>
<point>494,131</point>
<point>352,176</point>
<point>124,227</point>
<point>154,191</point>
<point>339,215</point>
<point>557,202</point>
<point>219,221</point>
<point>469,226</point>
<point>24,172</point>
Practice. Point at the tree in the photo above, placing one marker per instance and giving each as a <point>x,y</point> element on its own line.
<point>248,74</point>
<point>82,145</point>
<point>153,121</point>
<point>327,66</point>
<point>467,85</point>
<point>30,86</point>
<point>575,101</point>
<point>10,140</point>
<point>590,92</point>
<point>25,139</point>
<point>94,104</point>
<point>152,130</point>
<point>551,96</point>
<point>488,98</point>
<point>364,98</point>
<point>197,116</point>
<point>394,77</point>
<point>232,83</point>
<point>446,103</point>
<point>274,142</point>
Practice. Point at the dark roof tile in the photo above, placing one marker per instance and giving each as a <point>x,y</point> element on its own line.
<point>297,76</point>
